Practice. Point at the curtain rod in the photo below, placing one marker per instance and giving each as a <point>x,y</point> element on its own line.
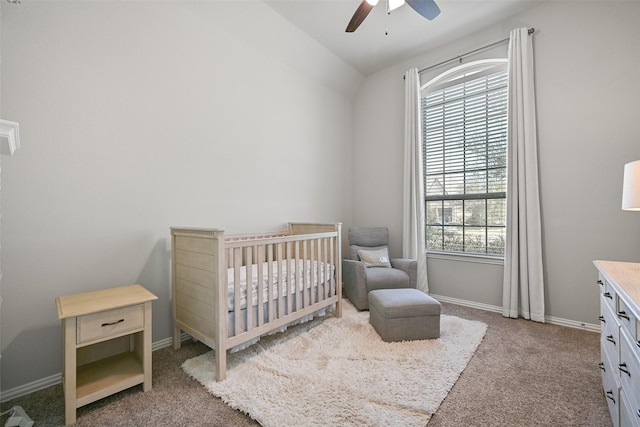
<point>480,49</point>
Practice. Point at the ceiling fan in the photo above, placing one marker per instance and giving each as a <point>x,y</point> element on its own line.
<point>427,8</point>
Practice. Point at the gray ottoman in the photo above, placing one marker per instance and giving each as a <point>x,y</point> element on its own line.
<point>404,314</point>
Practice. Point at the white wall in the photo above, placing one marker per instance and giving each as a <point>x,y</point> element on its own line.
<point>587,91</point>
<point>136,116</point>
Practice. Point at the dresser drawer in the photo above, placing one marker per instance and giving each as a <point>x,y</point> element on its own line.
<point>610,332</point>
<point>607,292</point>
<point>608,367</point>
<point>112,323</point>
<point>627,319</point>
<point>609,371</point>
<point>629,414</point>
<point>611,390</point>
<point>629,368</point>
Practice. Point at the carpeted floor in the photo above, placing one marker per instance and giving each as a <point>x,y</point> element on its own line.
<point>523,374</point>
<point>339,372</point>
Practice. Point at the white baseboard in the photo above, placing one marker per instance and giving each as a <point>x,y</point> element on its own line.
<point>30,387</point>
<point>6,395</point>
<point>549,319</point>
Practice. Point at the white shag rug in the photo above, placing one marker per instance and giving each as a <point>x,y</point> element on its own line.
<point>339,372</point>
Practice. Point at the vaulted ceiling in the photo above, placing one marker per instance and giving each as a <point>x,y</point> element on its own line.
<point>383,39</point>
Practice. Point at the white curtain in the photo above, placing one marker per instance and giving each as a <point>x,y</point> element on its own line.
<point>523,290</point>
<point>413,246</point>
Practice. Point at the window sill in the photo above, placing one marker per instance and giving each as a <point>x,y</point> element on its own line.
<point>456,256</point>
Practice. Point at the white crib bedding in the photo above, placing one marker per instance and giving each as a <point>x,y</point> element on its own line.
<point>298,275</point>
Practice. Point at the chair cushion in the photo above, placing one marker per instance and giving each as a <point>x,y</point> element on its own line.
<point>382,278</point>
<point>369,236</point>
<point>377,258</point>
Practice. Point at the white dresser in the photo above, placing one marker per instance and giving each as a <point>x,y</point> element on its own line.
<point>620,339</point>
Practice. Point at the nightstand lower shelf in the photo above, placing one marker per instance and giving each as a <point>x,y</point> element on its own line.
<point>108,376</point>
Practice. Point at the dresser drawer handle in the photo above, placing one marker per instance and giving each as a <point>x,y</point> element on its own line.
<point>610,339</point>
<point>638,412</point>
<point>601,366</point>
<point>607,295</point>
<point>599,282</point>
<point>623,368</point>
<point>113,323</point>
<point>601,318</point>
<point>609,395</point>
<point>638,343</point>
<point>623,315</point>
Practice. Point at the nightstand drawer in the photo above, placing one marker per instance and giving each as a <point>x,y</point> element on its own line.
<point>112,323</point>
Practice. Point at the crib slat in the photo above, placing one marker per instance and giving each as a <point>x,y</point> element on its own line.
<point>270,283</point>
<point>312,258</point>
<point>289,278</point>
<point>237,294</point>
<point>326,267</point>
<point>305,273</point>
<point>330,270</point>
<point>322,268</point>
<point>249,270</point>
<point>260,260</point>
<point>299,282</point>
<point>319,270</point>
<point>280,285</point>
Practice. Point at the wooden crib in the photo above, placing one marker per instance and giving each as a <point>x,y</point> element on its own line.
<point>275,279</point>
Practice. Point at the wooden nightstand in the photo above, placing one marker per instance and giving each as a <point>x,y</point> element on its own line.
<point>106,339</point>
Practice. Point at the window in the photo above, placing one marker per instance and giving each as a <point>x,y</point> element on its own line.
<point>464,132</point>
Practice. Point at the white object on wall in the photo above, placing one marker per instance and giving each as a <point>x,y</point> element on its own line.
<point>9,137</point>
<point>631,187</point>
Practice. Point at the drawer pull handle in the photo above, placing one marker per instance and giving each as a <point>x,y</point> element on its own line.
<point>601,318</point>
<point>607,295</point>
<point>638,343</point>
<point>601,366</point>
<point>610,339</point>
<point>609,395</point>
<point>599,282</point>
<point>113,323</point>
<point>623,368</point>
<point>623,315</point>
<point>638,412</point>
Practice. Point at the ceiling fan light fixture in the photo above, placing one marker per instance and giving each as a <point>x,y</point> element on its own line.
<point>427,8</point>
<point>394,4</point>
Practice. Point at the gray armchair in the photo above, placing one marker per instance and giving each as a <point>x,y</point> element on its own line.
<point>359,279</point>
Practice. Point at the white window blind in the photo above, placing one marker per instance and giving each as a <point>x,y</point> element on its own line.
<point>464,125</point>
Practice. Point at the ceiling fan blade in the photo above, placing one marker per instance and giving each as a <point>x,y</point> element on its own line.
<point>427,8</point>
<point>361,12</point>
